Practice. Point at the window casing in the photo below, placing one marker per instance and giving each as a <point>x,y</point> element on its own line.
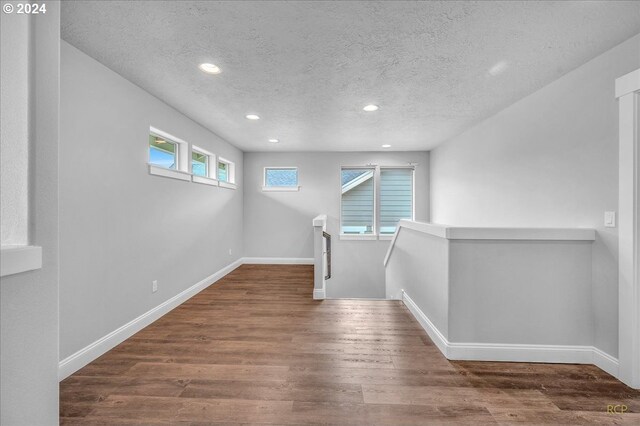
<point>199,163</point>
<point>201,166</point>
<point>280,179</point>
<point>226,173</point>
<point>168,155</point>
<point>357,202</point>
<point>396,197</point>
<point>374,200</point>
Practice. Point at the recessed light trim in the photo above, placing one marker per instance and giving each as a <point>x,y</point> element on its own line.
<point>370,108</point>
<point>209,68</point>
<point>274,140</point>
<point>386,145</point>
<point>252,117</point>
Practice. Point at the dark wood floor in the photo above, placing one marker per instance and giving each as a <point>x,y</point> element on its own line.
<point>255,348</point>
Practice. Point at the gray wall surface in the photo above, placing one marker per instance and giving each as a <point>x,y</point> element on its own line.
<point>29,300</point>
<point>16,58</point>
<point>121,227</point>
<point>278,224</point>
<point>549,160</point>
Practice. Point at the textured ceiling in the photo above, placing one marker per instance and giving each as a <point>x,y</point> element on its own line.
<point>308,68</point>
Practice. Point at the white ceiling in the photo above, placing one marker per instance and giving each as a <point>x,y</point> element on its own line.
<point>308,68</point>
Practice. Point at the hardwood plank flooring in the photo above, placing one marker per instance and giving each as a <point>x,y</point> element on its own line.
<point>255,348</point>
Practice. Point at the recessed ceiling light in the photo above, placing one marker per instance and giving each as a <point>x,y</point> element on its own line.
<point>370,108</point>
<point>386,145</point>
<point>210,68</point>
<point>252,117</point>
<point>498,68</point>
<point>274,140</point>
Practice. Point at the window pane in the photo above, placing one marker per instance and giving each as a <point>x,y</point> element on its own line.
<point>162,152</point>
<point>396,198</point>
<point>281,177</point>
<point>199,164</point>
<point>223,171</point>
<point>357,201</point>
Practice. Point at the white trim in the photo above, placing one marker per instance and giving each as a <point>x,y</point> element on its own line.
<point>211,161</point>
<point>320,220</point>
<point>84,356</point>
<point>278,260</point>
<point>223,184</point>
<point>183,161</point>
<point>386,237</point>
<point>507,352</point>
<point>204,180</point>
<point>319,294</point>
<point>484,233</point>
<point>391,246</point>
<point>606,362</point>
<point>281,188</point>
<point>170,173</point>
<point>165,135</point>
<point>628,94</point>
<point>357,181</point>
<point>231,173</point>
<point>17,259</point>
<point>628,83</point>
<point>354,237</point>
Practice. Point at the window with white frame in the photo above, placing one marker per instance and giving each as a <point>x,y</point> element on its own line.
<point>201,166</point>
<point>396,197</point>
<point>357,207</point>
<point>163,152</point>
<point>375,199</point>
<point>280,179</point>
<point>226,172</point>
<point>199,163</point>
<point>168,155</point>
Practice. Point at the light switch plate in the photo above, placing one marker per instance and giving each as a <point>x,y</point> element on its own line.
<point>610,219</point>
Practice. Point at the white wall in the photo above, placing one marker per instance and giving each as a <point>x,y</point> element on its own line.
<point>121,227</point>
<point>14,126</point>
<point>278,224</point>
<point>549,160</point>
<point>29,300</point>
<point>419,266</point>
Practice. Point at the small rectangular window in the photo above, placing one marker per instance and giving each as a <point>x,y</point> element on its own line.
<point>226,172</point>
<point>280,178</point>
<point>396,197</point>
<point>199,163</point>
<point>357,215</point>
<point>163,152</point>
<point>223,171</point>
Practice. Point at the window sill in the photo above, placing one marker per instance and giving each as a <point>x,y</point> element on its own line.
<point>386,237</point>
<point>228,185</point>
<point>204,180</point>
<point>16,259</point>
<point>281,188</point>
<point>369,237</point>
<point>174,174</point>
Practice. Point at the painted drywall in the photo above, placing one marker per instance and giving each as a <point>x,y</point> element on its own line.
<point>278,224</point>
<point>520,292</point>
<point>15,58</point>
<point>120,227</point>
<point>549,160</point>
<point>29,300</point>
<point>419,265</point>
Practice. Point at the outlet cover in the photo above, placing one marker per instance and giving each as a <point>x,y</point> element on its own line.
<point>154,286</point>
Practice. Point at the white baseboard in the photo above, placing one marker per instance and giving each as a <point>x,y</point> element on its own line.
<point>84,356</point>
<point>319,294</point>
<point>606,362</point>
<point>278,261</point>
<point>558,354</point>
